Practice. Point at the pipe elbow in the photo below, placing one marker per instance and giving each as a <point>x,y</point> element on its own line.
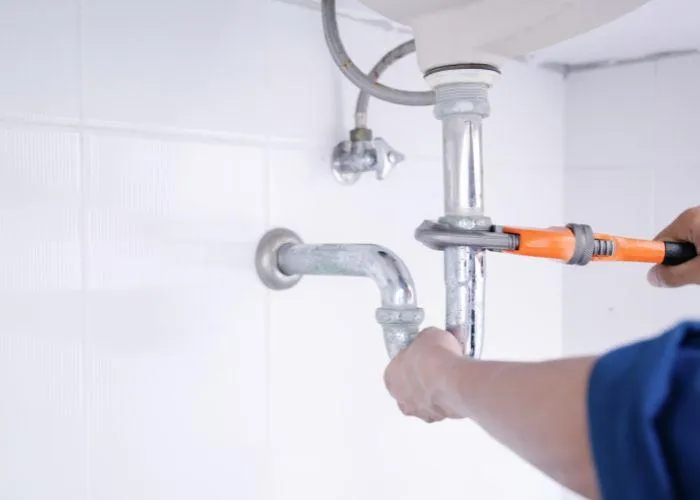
<point>391,275</point>
<point>399,316</point>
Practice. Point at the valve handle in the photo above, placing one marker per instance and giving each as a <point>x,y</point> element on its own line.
<point>386,158</point>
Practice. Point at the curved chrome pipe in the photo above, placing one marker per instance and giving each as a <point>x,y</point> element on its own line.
<point>282,252</point>
<point>372,261</point>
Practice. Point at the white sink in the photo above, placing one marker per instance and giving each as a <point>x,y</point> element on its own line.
<point>492,31</point>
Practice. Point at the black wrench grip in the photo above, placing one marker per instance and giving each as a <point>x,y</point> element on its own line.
<point>678,253</point>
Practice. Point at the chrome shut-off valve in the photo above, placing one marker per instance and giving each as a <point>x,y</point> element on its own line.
<point>362,153</point>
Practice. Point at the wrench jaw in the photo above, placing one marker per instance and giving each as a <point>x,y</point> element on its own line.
<point>441,236</point>
<point>465,272</point>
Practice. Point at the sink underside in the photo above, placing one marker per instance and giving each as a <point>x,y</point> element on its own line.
<point>492,31</point>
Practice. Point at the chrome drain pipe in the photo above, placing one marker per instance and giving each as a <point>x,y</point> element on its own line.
<point>462,104</point>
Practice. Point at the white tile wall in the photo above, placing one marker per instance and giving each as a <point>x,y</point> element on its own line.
<point>181,64</point>
<point>678,118</point>
<point>607,304</point>
<point>144,148</point>
<point>39,58</point>
<point>611,117</point>
<point>175,318</point>
<point>633,164</point>
<point>42,417</point>
<point>40,218</point>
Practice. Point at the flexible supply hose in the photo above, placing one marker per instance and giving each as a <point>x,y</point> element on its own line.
<point>394,55</point>
<point>356,76</point>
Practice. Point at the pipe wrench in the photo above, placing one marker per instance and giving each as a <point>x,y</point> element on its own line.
<point>575,244</point>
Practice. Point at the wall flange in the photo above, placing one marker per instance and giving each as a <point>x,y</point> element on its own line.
<point>266,259</point>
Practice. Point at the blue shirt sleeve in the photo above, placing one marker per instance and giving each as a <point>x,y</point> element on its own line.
<point>644,418</point>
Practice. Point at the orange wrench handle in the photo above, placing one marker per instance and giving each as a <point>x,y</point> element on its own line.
<point>554,243</point>
<point>561,244</point>
<point>632,250</point>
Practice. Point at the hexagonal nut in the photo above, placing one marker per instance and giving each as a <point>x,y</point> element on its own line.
<point>403,316</point>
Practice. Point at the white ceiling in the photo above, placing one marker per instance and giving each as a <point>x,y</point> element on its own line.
<point>659,26</point>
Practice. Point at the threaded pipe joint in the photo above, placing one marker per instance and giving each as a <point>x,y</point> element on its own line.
<point>401,326</point>
<point>462,99</point>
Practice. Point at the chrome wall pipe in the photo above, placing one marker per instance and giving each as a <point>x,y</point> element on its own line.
<point>282,259</point>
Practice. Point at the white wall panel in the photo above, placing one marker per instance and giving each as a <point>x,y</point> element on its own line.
<point>634,182</point>
<point>679,114</point>
<point>42,411</point>
<point>140,357</point>
<point>184,64</point>
<point>40,59</point>
<point>175,320</point>
<point>612,117</point>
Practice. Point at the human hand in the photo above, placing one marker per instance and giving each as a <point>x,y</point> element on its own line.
<point>419,377</point>
<point>685,228</point>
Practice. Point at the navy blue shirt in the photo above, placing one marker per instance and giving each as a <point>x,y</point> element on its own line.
<point>644,418</point>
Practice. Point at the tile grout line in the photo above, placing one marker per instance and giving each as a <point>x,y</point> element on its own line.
<point>156,132</point>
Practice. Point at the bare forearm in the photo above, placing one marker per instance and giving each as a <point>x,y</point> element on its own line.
<point>537,410</point>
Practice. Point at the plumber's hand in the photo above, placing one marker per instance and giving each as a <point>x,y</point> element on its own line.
<point>419,377</point>
<point>685,228</point>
